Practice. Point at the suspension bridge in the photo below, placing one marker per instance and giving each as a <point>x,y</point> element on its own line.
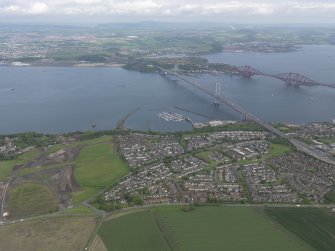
<point>301,146</point>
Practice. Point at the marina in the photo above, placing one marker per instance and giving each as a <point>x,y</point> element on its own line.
<point>66,99</point>
<point>176,117</point>
<point>171,116</point>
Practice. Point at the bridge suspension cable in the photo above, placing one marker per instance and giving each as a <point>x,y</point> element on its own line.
<point>301,146</point>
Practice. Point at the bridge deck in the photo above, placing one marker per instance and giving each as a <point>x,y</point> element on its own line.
<point>298,144</point>
<point>290,78</point>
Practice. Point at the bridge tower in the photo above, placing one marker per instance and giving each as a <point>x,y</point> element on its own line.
<point>176,68</point>
<point>217,94</point>
<point>288,81</point>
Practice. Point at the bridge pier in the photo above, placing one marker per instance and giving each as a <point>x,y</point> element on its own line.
<point>299,145</point>
<point>217,94</point>
<point>290,84</point>
<point>246,75</point>
<point>290,78</point>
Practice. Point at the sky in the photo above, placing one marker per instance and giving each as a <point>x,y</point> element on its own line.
<point>109,11</point>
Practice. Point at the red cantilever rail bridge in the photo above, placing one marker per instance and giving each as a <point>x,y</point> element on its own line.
<point>291,79</point>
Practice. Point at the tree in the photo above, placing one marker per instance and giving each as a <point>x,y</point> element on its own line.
<point>137,200</point>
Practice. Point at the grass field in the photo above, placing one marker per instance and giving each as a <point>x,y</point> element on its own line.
<point>315,226</point>
<point>31,199</point>
<point>205,157</point>
<point>96,167</point>
<point>61,233</point>
<point>248,161</point>
<point>327,141</point>
<point>278,150</point>
<point>232,228</point>
<point>136,231</point>
<point>102,139</point>
<point>80,209</point>
<point>36,169</point>
<point>6,166</point>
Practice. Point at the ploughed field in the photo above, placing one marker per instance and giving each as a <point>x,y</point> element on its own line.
<point>204,228</point>
<point>57,233</point>
<point>315,226</point>
<point>229,227</point>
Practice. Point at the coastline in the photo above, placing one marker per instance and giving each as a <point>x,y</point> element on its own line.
<point>98,65</point>
<point>65,65</point>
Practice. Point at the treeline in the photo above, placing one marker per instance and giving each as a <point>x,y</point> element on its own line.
<point>131,199</point>
<point>280,141</point>
<point>96,134</point>
<point>140,66</point>
<point>184,64</point>
<point>330,196</point>
<point>26,139</point>
<point>240,126</point>
<point>40,140</point>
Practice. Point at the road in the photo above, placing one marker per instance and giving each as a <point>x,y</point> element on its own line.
<point>301,146</point>
<point>3,202</point>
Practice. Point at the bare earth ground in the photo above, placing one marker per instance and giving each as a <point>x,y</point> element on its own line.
<point>60,156</point>
<point>56,234</point>
<point>55,171</point>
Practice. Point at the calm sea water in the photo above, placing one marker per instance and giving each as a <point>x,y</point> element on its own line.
<point>57,99</point>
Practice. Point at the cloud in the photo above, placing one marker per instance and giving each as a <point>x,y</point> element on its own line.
<point>34,8</point>
<point>170,8</point>
<point>37,8</point>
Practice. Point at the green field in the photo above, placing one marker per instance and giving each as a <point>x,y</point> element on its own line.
<point>59,233</point>
<point>315,226</point>
<point>80,209</point>
<point>278,150</point>
<point>327,141</point>
<point>6,166</point>
<point>205,228</point>
<point>97,167</point>
<point>31,199</point>
<point>135,231</point>
<point>205,157</point>
<point>102,139</point>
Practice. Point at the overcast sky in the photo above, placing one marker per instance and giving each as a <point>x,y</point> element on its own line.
<point>238,11</point>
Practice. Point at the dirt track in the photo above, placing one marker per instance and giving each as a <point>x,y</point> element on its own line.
<point>57,172</point>
<point>63,155</point>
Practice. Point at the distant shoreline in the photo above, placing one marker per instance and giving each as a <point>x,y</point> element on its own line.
<point>98,65</point>
<point>64,65</point>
